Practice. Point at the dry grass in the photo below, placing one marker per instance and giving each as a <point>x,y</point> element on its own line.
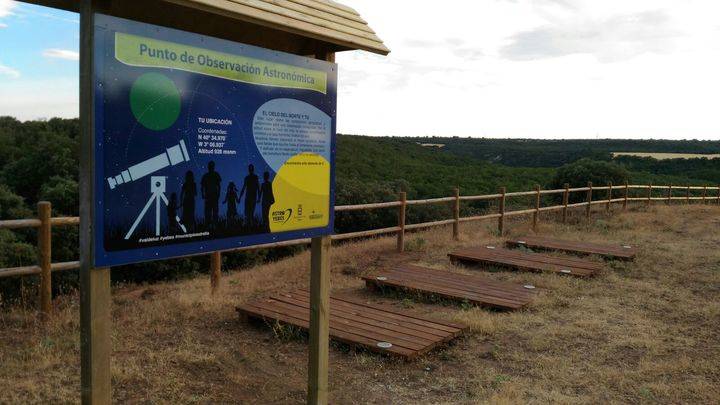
<point>640,332</point>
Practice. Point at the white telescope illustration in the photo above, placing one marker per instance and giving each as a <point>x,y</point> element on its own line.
<point>172,156</point>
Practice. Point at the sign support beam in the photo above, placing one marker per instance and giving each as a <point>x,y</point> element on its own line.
<point>319,320</point>
<point>319,308</point>
<point>95,300</point>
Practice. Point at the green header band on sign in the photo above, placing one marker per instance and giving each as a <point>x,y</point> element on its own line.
<point>135,50</point>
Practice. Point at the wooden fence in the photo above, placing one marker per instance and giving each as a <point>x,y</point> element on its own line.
<point>45,222</point>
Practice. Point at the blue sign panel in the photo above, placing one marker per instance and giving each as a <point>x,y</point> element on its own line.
<point>204,144</point>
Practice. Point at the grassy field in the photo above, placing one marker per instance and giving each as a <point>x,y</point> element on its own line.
<point>663,156</point>
<point>642,332</point>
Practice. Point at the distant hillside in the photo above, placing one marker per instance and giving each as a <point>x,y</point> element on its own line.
<point>554,153</point>
<point>423,171</point>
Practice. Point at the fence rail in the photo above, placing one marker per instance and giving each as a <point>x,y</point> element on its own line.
<point>45,222</point>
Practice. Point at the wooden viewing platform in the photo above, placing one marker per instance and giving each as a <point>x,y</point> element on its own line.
<point>477,290</point>
<point>609,251</point>
<point>374,327</point>
<point>496,256</point>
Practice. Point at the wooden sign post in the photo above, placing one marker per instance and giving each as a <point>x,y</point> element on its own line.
<point>95,299</point>
<point>319,320</point>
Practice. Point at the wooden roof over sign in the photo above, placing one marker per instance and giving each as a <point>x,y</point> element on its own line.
<point>323,20</point>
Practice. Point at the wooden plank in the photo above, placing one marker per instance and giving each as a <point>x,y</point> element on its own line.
<point>331,24</point>
<point>394,314</point>
<point>462,287</point>
<point>526,261</point>
<point>288,21</point>
<point>19,223</point>
<point>357,323</point>
<point>541,258</point>
<point>429,287</point>
<point>462,281</point>
<point>456,281</point>
<point>623,252</point>
<point>351,325</point>
<point>334,15</point>
<point>384,316</point>
<point>351,316</point>
<point>337,334</point>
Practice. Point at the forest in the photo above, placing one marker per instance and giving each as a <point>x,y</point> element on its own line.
<point>39,161</point>
<point>557,152</point>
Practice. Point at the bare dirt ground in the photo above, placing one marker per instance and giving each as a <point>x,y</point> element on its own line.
<point>640,332</point>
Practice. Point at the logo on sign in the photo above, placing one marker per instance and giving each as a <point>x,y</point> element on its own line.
<point>282,216</point>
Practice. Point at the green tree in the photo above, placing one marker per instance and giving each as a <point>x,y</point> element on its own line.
<point>578,173</point>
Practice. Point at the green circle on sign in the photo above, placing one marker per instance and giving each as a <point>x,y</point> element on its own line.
<point>155,101</point>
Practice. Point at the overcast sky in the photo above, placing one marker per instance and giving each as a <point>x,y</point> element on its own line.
<point>493,68</point>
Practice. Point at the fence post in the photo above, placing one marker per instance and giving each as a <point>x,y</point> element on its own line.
<point>566,198</point>
<point>536,214</point>
<point>649,199</point>
<point>625,198</point>
<point>44,241</point>
<point>718,195</point>
<point>704,195</point>
<point>609,200</point>
<point>589,200</point>
<point>687,195</point>
<point>669,198</point>
<point>501,211</point>
<point>401,223</point>
<point>456,214</point>
<point>215,266</point>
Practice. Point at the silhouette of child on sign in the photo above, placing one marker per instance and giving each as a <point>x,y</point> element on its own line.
<point>187,199</point>
<point>231,199</point>
<point>250,188</point>
<point>210,192</point>
<point>172,210</point>
<point>268,198</point>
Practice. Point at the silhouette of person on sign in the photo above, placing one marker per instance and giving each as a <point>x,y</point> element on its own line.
<point>267,198</point>
<point>250,188</point>
<point>172,208</point>
<point>187,200</point>
<point>231,199</point>
<point>210,192</point>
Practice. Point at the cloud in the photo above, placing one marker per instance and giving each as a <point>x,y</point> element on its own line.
<point>35,98</point>
<point>8,71</point>
<point>615,38</point>
<point>6,7</point>
<point>61,54</point>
